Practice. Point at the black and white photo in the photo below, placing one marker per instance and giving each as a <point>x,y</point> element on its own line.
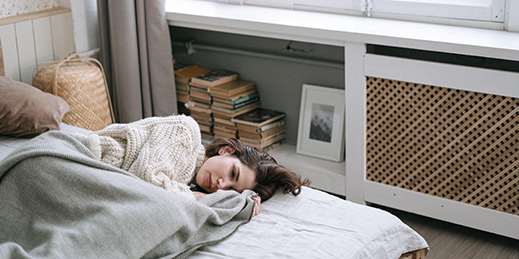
<point>321,123</point>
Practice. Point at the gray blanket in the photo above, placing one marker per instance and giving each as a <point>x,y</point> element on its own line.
<point>58,201</point>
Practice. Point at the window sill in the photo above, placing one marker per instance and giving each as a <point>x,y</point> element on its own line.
<point>334,29</point>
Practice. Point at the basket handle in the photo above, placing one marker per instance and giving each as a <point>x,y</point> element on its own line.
<point>38,66</point>
<point>42,64</point>
<point>54,87</point>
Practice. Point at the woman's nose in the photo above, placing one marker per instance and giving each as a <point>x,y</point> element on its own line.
<point>222,184</point>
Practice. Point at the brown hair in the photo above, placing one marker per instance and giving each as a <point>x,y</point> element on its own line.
<point>269,174</point>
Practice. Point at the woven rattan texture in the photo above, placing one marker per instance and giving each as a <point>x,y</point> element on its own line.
<point>82,86</point>
<point>450,143</point>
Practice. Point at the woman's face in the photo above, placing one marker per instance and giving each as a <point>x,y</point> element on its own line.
<point>225,172</point>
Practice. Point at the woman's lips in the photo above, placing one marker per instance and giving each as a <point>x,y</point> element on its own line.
<point>209,182</point>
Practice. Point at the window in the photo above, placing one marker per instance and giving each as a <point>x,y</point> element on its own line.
<point>486,12</point>
<point>476,10</point>
<point>324,5</point>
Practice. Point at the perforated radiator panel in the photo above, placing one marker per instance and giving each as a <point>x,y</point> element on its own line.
<point>450,143</point>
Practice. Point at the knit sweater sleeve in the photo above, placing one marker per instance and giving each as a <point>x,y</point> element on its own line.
<point>164,151</point>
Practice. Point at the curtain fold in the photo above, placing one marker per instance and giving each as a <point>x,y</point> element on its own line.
<point>135,50</point>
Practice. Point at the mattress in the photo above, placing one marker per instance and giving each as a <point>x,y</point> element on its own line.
<point>312,225</point>
<point>317,225</point>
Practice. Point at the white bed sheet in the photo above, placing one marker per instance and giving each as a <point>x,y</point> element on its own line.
<point>317,225</point>
<point>311,225</point>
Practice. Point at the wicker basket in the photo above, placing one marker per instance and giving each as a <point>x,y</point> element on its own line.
<point>82,85</point>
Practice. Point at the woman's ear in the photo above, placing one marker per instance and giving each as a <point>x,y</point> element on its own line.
<point>225,150</point>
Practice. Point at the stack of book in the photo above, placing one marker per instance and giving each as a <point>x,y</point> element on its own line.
<point>229,101</point>
<point>234,98</point>
<point>200,100</point>
<point>183,75</point>
<point>224,128</point>
<point>262,129</point>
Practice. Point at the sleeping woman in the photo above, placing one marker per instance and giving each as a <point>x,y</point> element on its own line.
<point>167,152</point>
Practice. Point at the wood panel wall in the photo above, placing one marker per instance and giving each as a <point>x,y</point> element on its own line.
<point>34,38</point>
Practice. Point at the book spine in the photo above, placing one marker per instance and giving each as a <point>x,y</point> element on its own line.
<point>232,111</point>
<point>236,106</point>
<point>245,98</point>
<point>270,126</point>
<point>265,143</point>
<point>270,138</point>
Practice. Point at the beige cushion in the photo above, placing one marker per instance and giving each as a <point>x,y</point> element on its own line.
<point>26,111</point>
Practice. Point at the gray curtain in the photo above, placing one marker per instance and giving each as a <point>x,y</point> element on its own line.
<point>135,51</point>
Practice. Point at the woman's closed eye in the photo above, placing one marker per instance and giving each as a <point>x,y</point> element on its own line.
<point>235,174</point>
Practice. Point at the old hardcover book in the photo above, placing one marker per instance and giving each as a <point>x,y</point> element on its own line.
<point>200,110</point>
<point>197,102</point>
<point>201,116</point>
<point>264,134</point>
<point>232,88</point>
<point>240,110</point>
<point>259,117</point>
<point>200,102</point>
<point>206,122</point>
<point>223,134</point>
<point>225,128</point>
<point>185,74</point>
<point>200,94</point>
<point>249,128</point>
<point>235,106</point>
<point>181,86</point>
<point>182,96</point>
<point>231,98</point>
<point>226,122</point>
<point>238,98</point>
<point>264,143</point>
<point>207,138</point>
<point>229,116</point>
<point>214,78</point>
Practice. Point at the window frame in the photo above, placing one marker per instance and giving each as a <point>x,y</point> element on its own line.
<point>472,10</point>
<point>489,14</point>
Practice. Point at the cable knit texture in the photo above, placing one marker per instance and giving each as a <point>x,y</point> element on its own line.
<point>164,151</point>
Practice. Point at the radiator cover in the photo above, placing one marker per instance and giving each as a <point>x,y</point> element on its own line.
<point>455,144</point>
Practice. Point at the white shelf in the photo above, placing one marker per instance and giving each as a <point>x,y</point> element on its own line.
<point>335,29</point>
<point>325,175</point>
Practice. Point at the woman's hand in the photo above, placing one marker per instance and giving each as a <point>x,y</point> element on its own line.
<point>257,200</point>
<point>199,195</point>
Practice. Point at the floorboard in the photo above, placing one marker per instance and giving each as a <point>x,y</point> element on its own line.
<point>447,240</point>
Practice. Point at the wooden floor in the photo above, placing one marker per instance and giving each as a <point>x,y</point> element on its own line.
<point>448,240</point>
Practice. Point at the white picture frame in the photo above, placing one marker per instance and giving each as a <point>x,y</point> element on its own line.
<point>324,136</point>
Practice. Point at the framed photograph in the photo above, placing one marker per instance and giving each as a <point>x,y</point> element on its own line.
<point>321,123</point>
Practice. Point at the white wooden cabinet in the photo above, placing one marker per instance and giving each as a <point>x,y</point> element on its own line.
<point>356,34</point>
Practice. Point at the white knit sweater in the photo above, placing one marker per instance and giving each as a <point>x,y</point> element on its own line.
<point>164,151</point>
